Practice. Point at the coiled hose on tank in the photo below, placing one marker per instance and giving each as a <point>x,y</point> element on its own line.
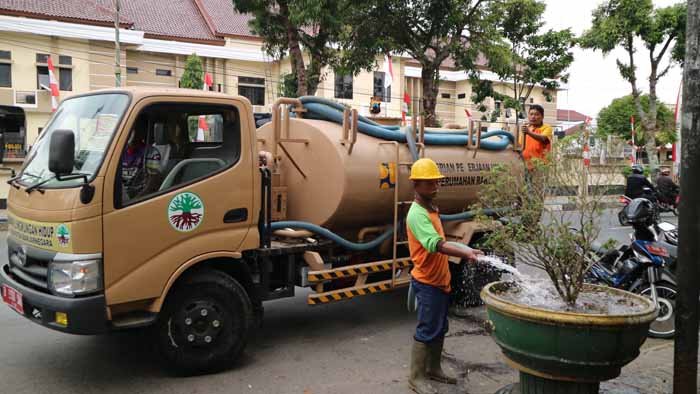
<point>355,246</point>
<point>328,110</point>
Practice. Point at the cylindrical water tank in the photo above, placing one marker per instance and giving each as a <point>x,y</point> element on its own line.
<point>344,190</point>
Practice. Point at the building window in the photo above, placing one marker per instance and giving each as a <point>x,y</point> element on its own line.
<point>379,90</point>
<point>253,89</point>
<point>5,75</point>
<point>42,77</point>
<point>132,70</point>
<point>5,55</point>
<point>219,86</point>
<point>65,60</point>
<point>42,58</point>
<point>445,95</point>
<point>343,86</point>
<point>462,96</point>
<point>532,100</point>
<point>498,105</point>
<point>65,79</point>
<point>164,73</point>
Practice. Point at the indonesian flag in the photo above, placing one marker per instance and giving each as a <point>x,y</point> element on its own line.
<point>388,71</point>
<point>53,85</point>
<point>207,82</point>
<point>203,126</point>
<point>586,156</point>
<point>404,106</point>
<point>469,114</point>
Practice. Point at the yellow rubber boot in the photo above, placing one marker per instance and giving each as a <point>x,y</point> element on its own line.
<point>435,371</point>
<point>418,380</point>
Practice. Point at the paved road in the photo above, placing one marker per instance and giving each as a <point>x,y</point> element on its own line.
<point>360,346</point>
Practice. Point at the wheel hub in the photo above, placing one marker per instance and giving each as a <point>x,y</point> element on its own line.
<point>201,323</point>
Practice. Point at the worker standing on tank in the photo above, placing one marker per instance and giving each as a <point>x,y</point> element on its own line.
<point>430,277</point>
<point>538,136</point>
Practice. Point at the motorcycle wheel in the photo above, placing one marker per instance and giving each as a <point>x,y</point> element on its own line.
<point>665,325</point>
<point>622,218</point>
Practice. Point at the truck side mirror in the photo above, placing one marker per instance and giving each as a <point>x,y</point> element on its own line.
<point>62,152</point>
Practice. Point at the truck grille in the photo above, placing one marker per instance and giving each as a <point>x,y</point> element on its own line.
<point>29,271</point>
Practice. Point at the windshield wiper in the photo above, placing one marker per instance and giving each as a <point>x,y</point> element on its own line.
<point>13,181</point>
<point>38,185</point>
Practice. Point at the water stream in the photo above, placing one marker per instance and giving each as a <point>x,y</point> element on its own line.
<point>541,293</point>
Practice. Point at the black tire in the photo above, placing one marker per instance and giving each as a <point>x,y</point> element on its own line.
<point>194,342</point>
<point>665,325</point>
<point>622,218</point>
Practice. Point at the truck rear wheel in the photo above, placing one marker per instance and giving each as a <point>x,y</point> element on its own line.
<point>204,324</point>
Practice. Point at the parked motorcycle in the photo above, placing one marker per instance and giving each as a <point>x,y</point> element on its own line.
<point>646,266</point>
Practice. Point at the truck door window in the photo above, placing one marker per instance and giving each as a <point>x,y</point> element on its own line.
<point>174,145</point>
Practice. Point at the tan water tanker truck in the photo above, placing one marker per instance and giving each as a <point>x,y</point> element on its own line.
<point>155,207</point>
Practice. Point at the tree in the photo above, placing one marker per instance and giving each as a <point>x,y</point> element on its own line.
<point>619,23</point>
<point>615,120</point>
<point>288,25</point>
<point>192,76</point>
<point>430,31</point>
<point>526,58</point>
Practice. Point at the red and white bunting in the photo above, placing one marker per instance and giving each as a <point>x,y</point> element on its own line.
<point>586,156</point>
<point>53,85</point>
<point>404,106</point>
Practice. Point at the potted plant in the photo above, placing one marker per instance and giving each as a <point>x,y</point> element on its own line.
<point>563,335</point>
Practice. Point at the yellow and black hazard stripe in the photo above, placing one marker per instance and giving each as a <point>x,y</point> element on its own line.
<point>318,276</point>
<point>338,295</point>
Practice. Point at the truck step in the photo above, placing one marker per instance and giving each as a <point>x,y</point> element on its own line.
<point>355,270</point>
<point>357,291</point>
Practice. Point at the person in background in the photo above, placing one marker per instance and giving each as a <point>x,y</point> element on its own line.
<point>537,136</point>
<point>668,190</point>
<point>636,183</point>
<point>430,280</point>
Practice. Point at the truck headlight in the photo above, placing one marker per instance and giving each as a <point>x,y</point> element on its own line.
<point>76,277</point>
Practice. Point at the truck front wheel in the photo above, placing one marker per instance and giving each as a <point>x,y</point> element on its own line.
<point>204,324</point>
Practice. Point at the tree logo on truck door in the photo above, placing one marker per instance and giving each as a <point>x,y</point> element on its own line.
<point>185,211</point>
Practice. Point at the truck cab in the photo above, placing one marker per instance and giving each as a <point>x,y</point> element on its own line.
<point>125,191</point>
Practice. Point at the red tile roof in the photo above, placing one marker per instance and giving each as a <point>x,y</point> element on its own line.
<point>168,19</point>
<point>226,21</point>
<point>567,115</point>
<point>79,11</point>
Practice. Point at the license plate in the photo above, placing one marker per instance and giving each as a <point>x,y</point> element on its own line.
<point>13,298</point>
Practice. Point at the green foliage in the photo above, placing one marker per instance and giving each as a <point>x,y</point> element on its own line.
<point>288,85</point>
<point>430,31</point>
<point>192,76</point>
<point>627,171</point>
<point>313,29</point>
<point>615,119</point>
<point>527,57</point>
<point>543,238</point>
<point>618,23</point>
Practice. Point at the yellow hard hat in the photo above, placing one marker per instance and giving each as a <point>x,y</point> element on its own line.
<point>425,169</point>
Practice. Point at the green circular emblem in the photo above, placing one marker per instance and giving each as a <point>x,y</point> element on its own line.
<point>185,211</point>
<point>63,235</point>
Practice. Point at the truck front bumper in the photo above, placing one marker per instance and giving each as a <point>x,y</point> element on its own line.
<point>85,315</point>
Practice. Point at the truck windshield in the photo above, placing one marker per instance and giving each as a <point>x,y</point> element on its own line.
<point>93,119</point>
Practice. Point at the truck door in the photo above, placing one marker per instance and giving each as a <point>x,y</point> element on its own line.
<point>179,186</point>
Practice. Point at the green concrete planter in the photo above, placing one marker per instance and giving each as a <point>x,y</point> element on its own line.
<point>563,352</point>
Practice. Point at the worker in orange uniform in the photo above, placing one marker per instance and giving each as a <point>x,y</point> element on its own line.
<point>430,277</point>
<point>538,136</point>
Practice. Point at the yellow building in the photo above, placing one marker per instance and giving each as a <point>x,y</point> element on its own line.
<point>156,36</point>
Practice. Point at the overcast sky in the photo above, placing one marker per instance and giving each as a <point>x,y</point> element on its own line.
<point>595,80</point>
